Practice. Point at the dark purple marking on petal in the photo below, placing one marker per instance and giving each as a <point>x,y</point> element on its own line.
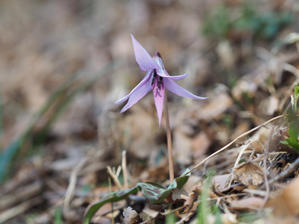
<point>159,92</point>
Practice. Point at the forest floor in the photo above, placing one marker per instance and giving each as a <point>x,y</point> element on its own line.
<point>65,146</point>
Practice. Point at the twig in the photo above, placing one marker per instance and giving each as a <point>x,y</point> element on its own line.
<point>124,168</point>
<point>232,142</point>
<point>235,165</point>
<point>72,184</point>
<point>19,209</point>
<point>266,154</point>
<point>114,178</point>
<point>117,172</point>
<point>286,172</point>
<point>169,142</point>
<point>255,192</point>
<point>20,195</point>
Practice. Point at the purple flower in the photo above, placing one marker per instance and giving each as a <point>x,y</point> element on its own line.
<point>156,79</point>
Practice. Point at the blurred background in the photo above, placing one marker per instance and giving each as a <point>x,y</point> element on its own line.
<point>64,62</point>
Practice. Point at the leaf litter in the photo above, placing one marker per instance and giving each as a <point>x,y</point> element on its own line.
<point>60,130</point>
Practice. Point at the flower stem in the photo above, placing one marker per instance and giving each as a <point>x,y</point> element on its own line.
<point>169,141</point>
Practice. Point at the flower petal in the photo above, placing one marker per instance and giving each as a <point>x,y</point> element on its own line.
<point>162,71</point>
<point>159,100</point>
<point>143,58</point>
<point>139,92</point>
<point>173,87</point>
<point>173,77</point>
<point>141,83</point>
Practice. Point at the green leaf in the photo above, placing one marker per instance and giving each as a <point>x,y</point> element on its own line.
<point>112,197</point>
<point>155,193</point>
<point>292,140</point>
<point>152,192</point>
<point>58,216</point>
<point>293,122</point>
<point>294,133</point>
<point>296,97</point>
<point>170,219</point>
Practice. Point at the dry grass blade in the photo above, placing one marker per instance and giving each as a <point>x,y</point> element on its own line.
<point>124,168</point>
<point>114,177</point>
<point>21,195</point>
<point>72,184</point>
<point>266,154</point>
<point>286,172</point>
<point>232,142</point>
<point>19,209</point>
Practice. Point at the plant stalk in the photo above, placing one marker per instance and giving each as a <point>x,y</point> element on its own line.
<point>169,141</point>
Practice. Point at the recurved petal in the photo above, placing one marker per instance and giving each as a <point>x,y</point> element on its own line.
<point>143,58</point>
<point>139,92</point>
<point>173,87</point>
<point>173,77</point>
<point>159,100</point>
<point>141,83</point>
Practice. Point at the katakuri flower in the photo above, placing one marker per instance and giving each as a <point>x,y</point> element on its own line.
<point>156,79</point>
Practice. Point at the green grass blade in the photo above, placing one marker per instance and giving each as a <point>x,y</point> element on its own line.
<point>204,209</point>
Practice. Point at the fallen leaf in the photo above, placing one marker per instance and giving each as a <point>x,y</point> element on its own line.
<point>269,105</point>
<point>286,200</point>
<point>258,140</point>
<point>249,174</point>
<point>139,136</point>
<point>200,145</point>
<point>148,214</point>
<point>220,183</point>
<point>240,129</point>
<point>216,106</point>
<point>226,54</point>
<point>182,147</point>
<point>247,203</point>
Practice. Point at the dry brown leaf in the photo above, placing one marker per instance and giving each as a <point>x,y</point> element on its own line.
<point>226,54</point>
<point>247,203</point>
<point>249,174</point>
<point>220,183</point>
<point>182,147</point>
<point>240,129</point>
<point>269,105</point>
<point>200,145</point>
<point>139,130</point>
<point>280,220</point>
<point>244,86</point>
<point>258,140</point>
<point>216,106</point>
<point>148,214</point>
<point>158,173</point>
<point>286,201</point>
<point>193,189</point>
